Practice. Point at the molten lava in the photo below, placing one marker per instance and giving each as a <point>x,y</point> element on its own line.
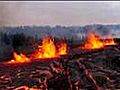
<point>49,50</point>
<point>19,58</point>
<point>94,42</point>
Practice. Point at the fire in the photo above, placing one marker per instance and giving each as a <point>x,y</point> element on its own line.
<point>49,50</point>
<point>62,49</point>
<point>19,58</point>
<point>94,41</point>
<point>109,41</point>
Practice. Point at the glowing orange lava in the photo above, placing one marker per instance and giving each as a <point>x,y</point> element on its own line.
<point>49,50</point>
<point>26,88</point>
<point>94,41</point>
<point>19,58</point>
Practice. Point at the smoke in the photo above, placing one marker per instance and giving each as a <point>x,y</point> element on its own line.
<point>58,13</point>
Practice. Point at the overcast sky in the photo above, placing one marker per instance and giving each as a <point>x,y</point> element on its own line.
<point>59,13</point>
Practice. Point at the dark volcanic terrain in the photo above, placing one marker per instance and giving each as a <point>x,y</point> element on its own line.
<point>81,69</point>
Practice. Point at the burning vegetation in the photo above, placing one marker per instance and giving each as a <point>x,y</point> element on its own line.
<point>19,58</point>
<point>48,49</point>
<point>83,69</point>
<point>94,41</point>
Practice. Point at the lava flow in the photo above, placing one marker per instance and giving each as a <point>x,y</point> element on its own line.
<point>19,58</point>
<point>49,50</point>
<point>94,42</point>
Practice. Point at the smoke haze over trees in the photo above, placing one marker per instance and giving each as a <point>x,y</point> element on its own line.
<point>23,38</point>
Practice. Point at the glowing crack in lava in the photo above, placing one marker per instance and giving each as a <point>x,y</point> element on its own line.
<point>94,41</point>
<point>19,58</point>
<point>49,50</point>
<point>26,88</point>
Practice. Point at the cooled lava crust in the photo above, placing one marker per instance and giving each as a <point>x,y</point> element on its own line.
<point>81,69</point>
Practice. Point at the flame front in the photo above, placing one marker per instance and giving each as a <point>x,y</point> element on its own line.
<point>19,58</point>
<point>62,49</point>
<point>49,50</point>
<point>109,41</point>
<point>46,50</point>
<point>94,42</point>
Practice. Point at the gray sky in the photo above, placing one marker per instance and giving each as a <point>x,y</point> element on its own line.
<point>59,13</point>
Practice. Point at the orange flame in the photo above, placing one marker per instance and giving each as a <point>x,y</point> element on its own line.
<point>19,58</point>
<point>94,42</point>
<point>46,50</point>
<point>62,49</point>
<point>109,41</point>
<point>49,50</point>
